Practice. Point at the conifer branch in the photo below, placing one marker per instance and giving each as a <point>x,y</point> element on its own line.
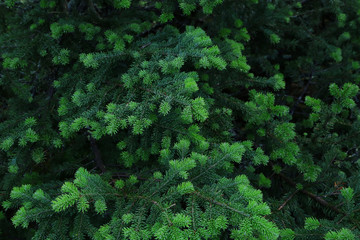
<point>220,204</point>
<point>311,195</point>
<point>182,95</point>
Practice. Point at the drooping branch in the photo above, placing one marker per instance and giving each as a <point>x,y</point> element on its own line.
<point>311,195</point>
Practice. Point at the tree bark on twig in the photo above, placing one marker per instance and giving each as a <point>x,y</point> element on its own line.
<point>97,155</point>
<point>287,200</point>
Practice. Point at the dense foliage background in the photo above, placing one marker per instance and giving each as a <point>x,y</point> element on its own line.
<point>179,119</point>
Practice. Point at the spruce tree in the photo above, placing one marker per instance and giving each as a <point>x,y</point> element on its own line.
<point>182,119</point>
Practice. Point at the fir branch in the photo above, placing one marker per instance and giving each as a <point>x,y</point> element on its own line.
<point>311,195</point>
<point>197,193</point>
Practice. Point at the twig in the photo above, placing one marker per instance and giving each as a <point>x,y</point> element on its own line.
<point>65,6</point>
<point>92,8</point>
<point>151,30</point>
<point>126,175</point>
<point>313,196</point>
<point>302,94</point>
<point>221,204</point>
<point>96,151</point>
<point>287,200</point>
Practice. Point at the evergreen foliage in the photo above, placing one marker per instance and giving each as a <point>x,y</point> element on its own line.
<point>187,119</point>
